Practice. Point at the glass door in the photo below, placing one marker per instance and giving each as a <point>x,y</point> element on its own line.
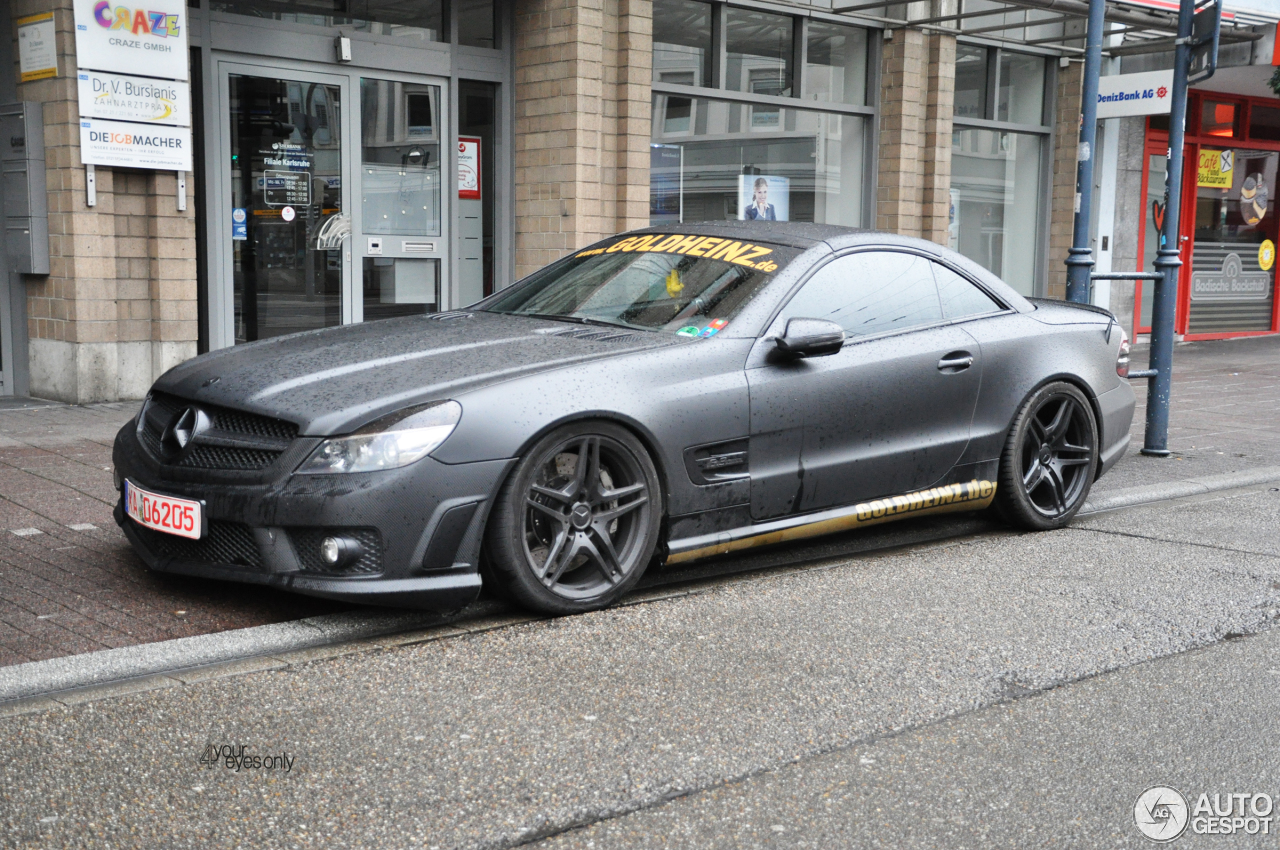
<point>400,228</point>
<point>285,221</point>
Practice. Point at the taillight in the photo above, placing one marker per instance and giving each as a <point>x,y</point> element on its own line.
<point>1122,359</point>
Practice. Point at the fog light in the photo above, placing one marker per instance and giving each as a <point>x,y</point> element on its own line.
<point>331,551</point>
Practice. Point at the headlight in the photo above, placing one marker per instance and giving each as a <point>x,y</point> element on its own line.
<point>389,443</point>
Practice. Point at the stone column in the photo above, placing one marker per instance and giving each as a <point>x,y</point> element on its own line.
<point>936,159</point>
<point>119,304</point>
<point>1066,142</point>
<point>900,187</point>
<point>582,127</point>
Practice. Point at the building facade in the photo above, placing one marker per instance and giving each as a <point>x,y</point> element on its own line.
<point>357,161</point>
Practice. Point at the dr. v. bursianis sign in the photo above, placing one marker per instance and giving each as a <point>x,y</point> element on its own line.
<point>149,39</point>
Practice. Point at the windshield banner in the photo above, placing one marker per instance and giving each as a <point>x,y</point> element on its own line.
<point>710,247</point>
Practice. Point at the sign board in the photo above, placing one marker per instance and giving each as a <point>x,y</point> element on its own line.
<point>286,188</point>
<point>37,47</point>
<point>1122,95</point>
<point>124,98</point>
<point>239,224</point>
<point>135,145</point>
<point>1233,283</point>
<point>468,168</point>
<point>1215,169</point>
<point>149,39</point>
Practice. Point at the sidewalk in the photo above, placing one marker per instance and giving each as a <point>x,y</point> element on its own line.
<point>70,584</point>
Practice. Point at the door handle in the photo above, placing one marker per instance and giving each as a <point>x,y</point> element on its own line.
<point>956,361</point>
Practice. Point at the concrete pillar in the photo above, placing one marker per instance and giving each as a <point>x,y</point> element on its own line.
<point>582,123</point>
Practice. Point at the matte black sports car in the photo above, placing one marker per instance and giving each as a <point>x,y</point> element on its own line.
<point>662,396</point>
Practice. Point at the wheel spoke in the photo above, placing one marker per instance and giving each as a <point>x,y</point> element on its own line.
<point>620,510</point>
<point>546,509</point>
<point>1032,478</point>
<point>565,496</point>
<point>602,553</point>
<point>1037,430</point>
<point>554,560</point>
<point>1073,461</point>
<point>1055,485</point>
<point>1056,430</point>
<point>1067,447</point>
<point>620,492</point>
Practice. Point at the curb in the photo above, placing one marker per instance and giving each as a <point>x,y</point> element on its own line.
<point>1148,493</point>
<point>38,685</point>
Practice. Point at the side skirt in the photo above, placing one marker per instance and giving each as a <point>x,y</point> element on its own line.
<point>970,496</point>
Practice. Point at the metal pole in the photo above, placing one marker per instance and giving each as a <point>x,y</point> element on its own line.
<point>1080,257</point>
<point>1168,261</point>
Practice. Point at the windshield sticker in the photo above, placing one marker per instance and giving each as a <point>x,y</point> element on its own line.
<point>689,331</point>
<point>711,247</point>
<point>709,331</point>
<point>718,324</point>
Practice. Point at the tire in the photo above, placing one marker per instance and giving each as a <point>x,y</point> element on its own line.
<point>1050,459</point>
<point>577,521</point>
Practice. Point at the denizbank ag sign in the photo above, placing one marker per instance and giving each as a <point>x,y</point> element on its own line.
<point>1122,95</point>
<point>135,145</point>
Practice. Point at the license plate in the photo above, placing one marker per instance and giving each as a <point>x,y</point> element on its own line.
<point>168,514</point>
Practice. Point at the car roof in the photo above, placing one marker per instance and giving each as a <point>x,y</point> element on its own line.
<point>804,235</point>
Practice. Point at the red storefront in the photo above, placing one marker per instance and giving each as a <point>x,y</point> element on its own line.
<point>1229,217</point>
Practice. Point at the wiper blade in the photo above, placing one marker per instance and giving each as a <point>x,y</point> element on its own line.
<point>581,320</point>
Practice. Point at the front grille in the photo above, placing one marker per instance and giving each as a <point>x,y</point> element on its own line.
<point>306,544</point>
<point>227,543</point>
<point>236,441</point>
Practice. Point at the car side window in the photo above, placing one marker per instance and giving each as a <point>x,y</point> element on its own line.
<point>960,297</point>
<point>870,292</point>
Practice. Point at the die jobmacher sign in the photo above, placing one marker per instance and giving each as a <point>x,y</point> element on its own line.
<point>135,145</point>
<point>149,38</point>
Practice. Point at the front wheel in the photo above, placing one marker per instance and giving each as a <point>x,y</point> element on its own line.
<point>578,520</point>
<point>1050,459</point>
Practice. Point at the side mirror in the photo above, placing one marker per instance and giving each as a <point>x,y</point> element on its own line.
<point>810,338</point>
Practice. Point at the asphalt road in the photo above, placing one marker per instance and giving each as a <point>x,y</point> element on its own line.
<point>1000,689</point>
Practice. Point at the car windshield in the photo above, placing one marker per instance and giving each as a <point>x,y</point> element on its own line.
<point>688,284</point>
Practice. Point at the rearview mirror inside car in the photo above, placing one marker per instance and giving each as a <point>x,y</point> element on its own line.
<point>810,338</point>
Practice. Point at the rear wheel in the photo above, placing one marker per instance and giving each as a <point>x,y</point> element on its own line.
<point>1049,459</point>
<point>577,521</point>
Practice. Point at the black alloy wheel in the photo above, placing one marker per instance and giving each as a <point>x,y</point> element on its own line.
<point>1050,459</point>
<point>578,520</point>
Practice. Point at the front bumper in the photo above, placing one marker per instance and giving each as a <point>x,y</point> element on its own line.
<point>423,526</point>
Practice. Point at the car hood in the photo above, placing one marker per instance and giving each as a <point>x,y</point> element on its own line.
<point>334,380</point>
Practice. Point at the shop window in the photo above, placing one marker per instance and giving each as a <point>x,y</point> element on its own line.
<point>1217,118</point>
<point>1021,98</point>
<point>806,165</point>
<point>477,23</point>
<point>995,202</point>
<point>423,20</point>
<point>682,42</point>
<point>1264,123</point>
<point>759,52</point>
<point>971,81</point>
<point>836,68</point>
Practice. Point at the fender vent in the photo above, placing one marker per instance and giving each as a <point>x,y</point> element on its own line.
<point>451,314</point>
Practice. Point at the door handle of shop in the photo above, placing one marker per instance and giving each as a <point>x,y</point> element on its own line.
<point>956,361</point>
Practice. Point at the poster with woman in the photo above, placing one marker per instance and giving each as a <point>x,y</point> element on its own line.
<point>763,198</point>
